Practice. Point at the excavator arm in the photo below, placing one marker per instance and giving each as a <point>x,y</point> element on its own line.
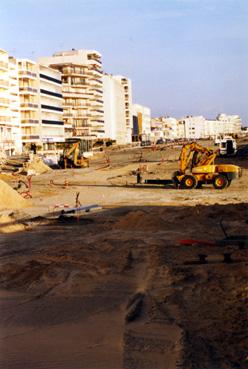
<point>190,154</point>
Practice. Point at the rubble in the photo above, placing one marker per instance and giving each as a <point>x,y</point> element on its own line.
<point>23,165</point>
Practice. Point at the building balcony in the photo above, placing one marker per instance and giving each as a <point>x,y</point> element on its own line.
<point>96,72</point>
<point>4,83</point>
<point>30,121</point>
<point>52,108</point>
<point>76,95</point>
<point>28,90</point>
<point>95,84</point>
<point>72,70</point>
<point>4,66</point>
<point>27,74</point>
<point>83,114</point>
<point>30,137</point>
<point>27,105</point>
<point>4,102</point>
<point>4,121</point>
<point>97,92</point>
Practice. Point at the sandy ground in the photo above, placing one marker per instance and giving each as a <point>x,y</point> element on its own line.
<point>115,288</point>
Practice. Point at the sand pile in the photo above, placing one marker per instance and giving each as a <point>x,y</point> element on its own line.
<point>37,165</point>
<point>9,198</point>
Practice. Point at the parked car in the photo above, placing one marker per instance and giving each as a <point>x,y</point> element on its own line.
<point>160,141</point>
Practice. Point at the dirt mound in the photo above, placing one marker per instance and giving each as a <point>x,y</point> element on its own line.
<point>9,198</point>
<point>37,165</point>
<point>140,220</point>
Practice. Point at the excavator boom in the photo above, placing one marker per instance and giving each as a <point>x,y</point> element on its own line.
<point>190,152</point>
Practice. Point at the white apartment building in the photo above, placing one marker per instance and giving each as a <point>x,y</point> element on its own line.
<point>41,104</point>
<point>165,128</point>
<point>114,109</point>
<point>50,107</point>
<point>141,122</point>
<point>194,127</point>
<point>10,131</point>
<point>127,84</point>
<point>156,129</point>
<point>82,90</point>
<point>231,123</point>
<point>29,99</point>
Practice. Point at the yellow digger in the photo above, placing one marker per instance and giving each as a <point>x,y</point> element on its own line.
<point>73,155</point>
<point>196,167</point>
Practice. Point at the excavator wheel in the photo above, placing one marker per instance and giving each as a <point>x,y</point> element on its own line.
<point>220,182</point>
<point>188,182</point>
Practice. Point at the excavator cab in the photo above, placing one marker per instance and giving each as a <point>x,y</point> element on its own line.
<point>73,154</point>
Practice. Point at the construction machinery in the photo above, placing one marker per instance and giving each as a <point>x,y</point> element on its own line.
<point>197,167</point>
<point>73,155</point>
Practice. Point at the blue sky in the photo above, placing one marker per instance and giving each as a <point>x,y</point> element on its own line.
<point>183,56</point>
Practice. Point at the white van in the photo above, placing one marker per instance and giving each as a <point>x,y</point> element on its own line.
<point>228,146</point>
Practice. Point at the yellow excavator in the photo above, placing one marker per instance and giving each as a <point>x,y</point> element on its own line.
<point>196,167</point>
<point>73,156</point>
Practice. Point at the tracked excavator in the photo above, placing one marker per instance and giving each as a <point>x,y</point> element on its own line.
<point>73,156</point>
<point>197,167</point>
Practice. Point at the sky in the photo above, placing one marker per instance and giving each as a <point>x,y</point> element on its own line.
<point>184,57</point>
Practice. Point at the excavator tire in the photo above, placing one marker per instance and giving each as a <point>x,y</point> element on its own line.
<point>188,182</point>
<point>220,182</point>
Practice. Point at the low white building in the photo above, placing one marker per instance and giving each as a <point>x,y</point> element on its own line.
<point>141,122</point>
<point>193,126</point>
<point>165,128</point>
<point>114,109</point>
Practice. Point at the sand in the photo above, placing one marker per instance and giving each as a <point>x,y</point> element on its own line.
<point>37,166</point>
<point>115,289</point>
<point>9,198</point>
<point>8,224</point>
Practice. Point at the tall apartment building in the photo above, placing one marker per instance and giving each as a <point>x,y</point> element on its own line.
<point>50,106</point>
<point>41,104</point>
<point>114,109</point>
<point>29,99</point>
<point>10,131</point>
<point>127,84</point>
<point>82,90</point>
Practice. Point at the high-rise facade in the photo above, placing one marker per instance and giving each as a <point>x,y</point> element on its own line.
<point>50,107</point>
<point>10,130</point>
<point>82,89</point>
<point>114,109</point>
<point>127,85</point>
<point>40,104</point>
<point>29,99</point>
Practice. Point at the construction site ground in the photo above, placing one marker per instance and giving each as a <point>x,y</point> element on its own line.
<point>114,288</point>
